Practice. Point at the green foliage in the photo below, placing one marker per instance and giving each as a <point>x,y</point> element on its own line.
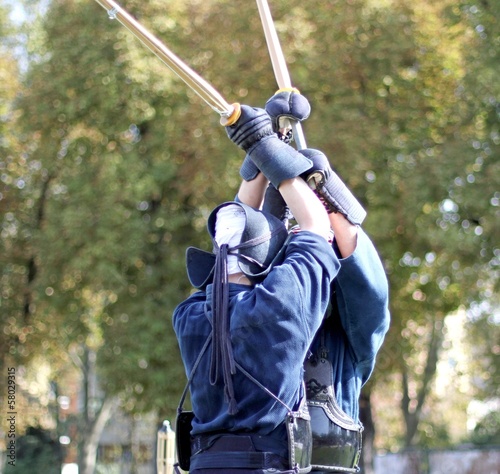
<point>432,435</point>
<point>487,431</point>
<point>483,330</point>
<point>36,452</point>
<point>109,167</point>
<point>13,206</point>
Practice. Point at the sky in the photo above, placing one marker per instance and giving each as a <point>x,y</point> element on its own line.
<point>17,9</point>
<point>17,13</point>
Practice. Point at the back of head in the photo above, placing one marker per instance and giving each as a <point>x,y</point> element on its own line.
<point>229,226</point>
<point>261,237</point>
<point>253,241</point>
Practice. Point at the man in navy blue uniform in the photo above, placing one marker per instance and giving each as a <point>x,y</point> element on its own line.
<point>345,347</point>
<point>259,316</point>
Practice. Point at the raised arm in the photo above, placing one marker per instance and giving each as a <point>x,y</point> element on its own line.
<point>282,165</point>
<point>305,206</point>
<point>252,192</point>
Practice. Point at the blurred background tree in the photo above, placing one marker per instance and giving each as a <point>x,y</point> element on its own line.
<point>110,166</point>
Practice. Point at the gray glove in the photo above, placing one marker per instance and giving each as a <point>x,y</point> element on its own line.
<point>333,193</point>
<point>253,132</point>
<point>289,104</point>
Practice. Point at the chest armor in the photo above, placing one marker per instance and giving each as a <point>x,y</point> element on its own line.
<point>337,437</point>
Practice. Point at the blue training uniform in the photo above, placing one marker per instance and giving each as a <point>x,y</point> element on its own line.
<point>356,333</point>
<point>272,325</point>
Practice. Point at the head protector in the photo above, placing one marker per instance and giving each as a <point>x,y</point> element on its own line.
<point>259,249</point>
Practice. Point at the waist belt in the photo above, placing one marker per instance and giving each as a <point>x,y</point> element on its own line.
<point>236,451</point>
<point>234,459</point>
<point>238,442</point>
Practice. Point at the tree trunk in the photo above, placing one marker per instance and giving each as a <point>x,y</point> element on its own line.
<point>412,415</point>
<point>92,423</point>
<point>365,415</point>
<point>31,265</point>
<point>89,445</point>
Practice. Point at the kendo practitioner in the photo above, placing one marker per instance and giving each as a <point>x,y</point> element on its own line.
<point>244,336</point>
<point>343,352</point>
<point>331,364</point>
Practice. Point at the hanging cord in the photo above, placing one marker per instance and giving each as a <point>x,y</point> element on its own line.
<point>265,389</point>
<point>222,350</point>
<point>191,374</point>
<point>222,357</point>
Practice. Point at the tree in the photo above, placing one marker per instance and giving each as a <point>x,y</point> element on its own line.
<point>400,102</point>
<point>115,206</point>
<point>36,451</point>
<point>457,253</point>
<point>111,166</point>
<point>12,269</point>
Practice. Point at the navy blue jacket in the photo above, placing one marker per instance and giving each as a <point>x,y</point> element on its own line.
<point>272,326</point>
<point>355,333</point>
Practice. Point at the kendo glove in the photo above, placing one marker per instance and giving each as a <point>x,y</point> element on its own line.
<point>285,104</point>
<point>252,126</point>
<point>330,189</point>
<point>253,132</point>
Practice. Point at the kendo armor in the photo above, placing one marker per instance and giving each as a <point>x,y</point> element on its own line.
<point>336,436</point>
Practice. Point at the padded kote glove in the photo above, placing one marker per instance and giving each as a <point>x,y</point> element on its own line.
<point>331,190</point>
<point>253,133</point>
<point>287,104</point>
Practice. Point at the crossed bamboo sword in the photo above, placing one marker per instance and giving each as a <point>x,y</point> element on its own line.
<point>229,113</point>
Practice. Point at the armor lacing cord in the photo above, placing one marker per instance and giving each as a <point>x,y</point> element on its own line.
<point>222,351</point>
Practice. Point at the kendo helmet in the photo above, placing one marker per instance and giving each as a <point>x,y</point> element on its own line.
<point>261,247</point>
